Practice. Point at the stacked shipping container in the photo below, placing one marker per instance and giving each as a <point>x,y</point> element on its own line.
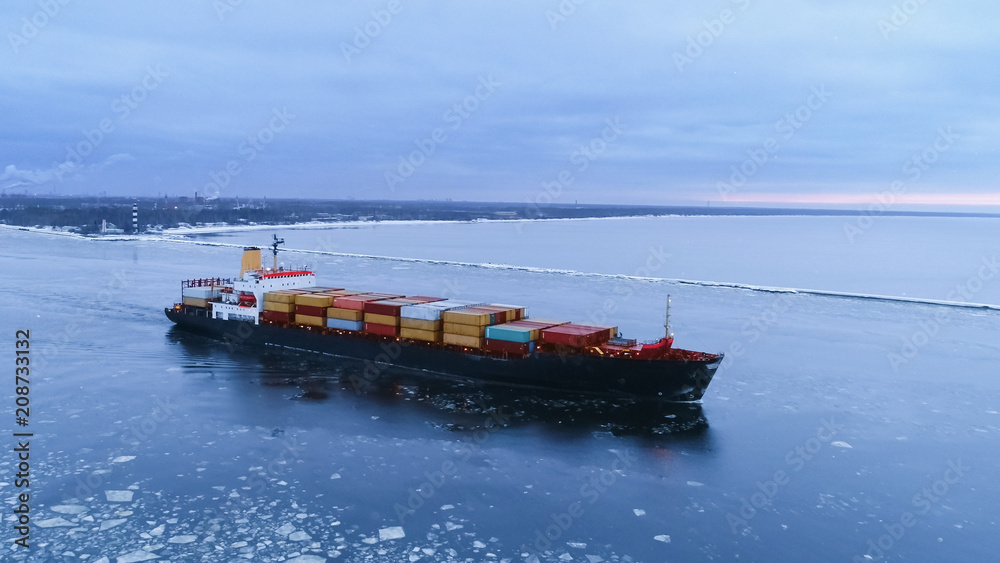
<point>578,336</point>
<point>310,308</point>
<point>516,337</point>
<point>347,312</point>
<point>383,317</point>
<point>467,326</point>
<point>279,306</point>
<point>492,327</point>
<point>341,318</point>
<point>423,321</point>
<point>199,296</point>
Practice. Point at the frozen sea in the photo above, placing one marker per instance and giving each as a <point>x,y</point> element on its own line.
<point>855,417</point>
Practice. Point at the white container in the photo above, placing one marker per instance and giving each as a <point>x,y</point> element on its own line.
<point>432,311</point>
<point>345,325</point>
<point>203,292</point>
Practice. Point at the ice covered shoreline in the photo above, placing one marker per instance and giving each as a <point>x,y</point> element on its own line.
<point>180,236</point>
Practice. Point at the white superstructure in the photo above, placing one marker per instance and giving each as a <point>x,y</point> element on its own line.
<point>246,300</point>
<point>242,299</point>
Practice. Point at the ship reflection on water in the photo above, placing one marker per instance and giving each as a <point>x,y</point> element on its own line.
<point>450,403</point>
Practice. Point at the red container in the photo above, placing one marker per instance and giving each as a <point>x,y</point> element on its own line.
<point>311,311</point>
<point>391,307</point>
<point>498,315</point>
<point>384,330</point>
<point>521,348</point>
<point>357,302</point>
<point>578,336</point>
<point>388,307</point>
<point>278,316</point>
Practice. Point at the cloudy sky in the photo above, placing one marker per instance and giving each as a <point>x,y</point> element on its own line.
<point>733,101</point>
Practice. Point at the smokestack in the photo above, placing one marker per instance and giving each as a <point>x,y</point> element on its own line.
<point>251,260</point>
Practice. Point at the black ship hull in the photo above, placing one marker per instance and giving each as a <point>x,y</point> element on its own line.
<point>661,379</point>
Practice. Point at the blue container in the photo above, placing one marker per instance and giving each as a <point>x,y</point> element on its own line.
<point>345,325</point>
<point>509,333</point>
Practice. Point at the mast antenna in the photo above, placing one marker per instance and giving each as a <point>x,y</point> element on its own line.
<point>274,249</point>
<point>666,321</point>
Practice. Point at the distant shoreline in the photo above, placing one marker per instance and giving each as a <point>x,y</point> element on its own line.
<point>175,233</point>
<point>89,215</point>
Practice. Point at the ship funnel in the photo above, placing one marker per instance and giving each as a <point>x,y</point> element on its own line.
<point>251,260</point>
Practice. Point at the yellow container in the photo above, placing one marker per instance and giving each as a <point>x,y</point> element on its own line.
<point>280,307</point>
<point>195,302</point>
<point>510,312</point>
<point>314,300</point>
<point>282,296</point>
<point>473,317</point>
<point>310,320</point>
<point>345,314</point>
<point>464,330</point>
<point>459,340</point>
<point>381,319</point>
<point>417,334</point>
<point>421,324</point>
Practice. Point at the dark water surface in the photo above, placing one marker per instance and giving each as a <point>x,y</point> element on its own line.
<point>823,437</point>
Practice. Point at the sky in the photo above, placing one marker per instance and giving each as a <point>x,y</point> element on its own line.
<point>733,102</point>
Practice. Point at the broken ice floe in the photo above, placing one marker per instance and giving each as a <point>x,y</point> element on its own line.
<point>69,509</point>
<point>299,536</point>
<point>107,524</point>
<point>840,444</point>
<point>123,458</point>
<point>663,538</point>
<point>139,555</point>
<point>639,511</point>
<point>182,539</point>
<point>308,559</point>
<point>119,496</point>
<point>54,522</point>
<point>285,529</point>
<point>391,533</point>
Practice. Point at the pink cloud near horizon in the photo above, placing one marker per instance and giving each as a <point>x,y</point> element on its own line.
<point>964,199</point>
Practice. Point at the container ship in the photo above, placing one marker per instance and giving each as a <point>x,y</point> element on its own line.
<point>436,337</point>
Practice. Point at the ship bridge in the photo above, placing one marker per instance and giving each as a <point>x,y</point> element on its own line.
<point>245,301</point>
